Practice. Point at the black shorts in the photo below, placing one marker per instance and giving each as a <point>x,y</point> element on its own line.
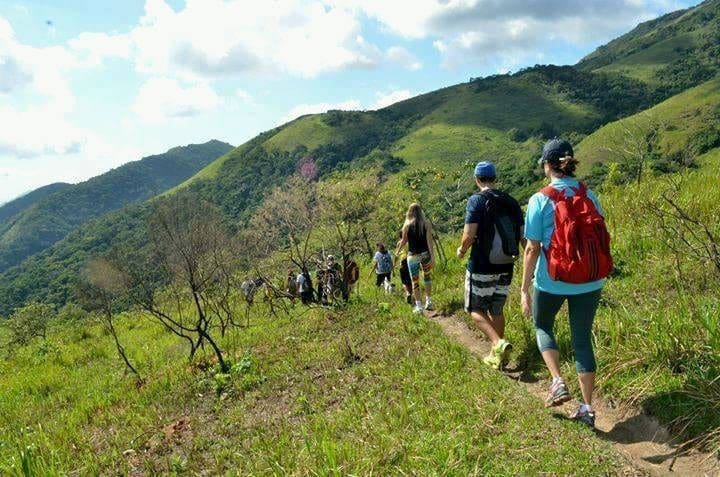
<point>380,278</point>
<point>405,273</point>
<point>486,292</point>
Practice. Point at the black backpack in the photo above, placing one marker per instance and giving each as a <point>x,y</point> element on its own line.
<point>500,231</point>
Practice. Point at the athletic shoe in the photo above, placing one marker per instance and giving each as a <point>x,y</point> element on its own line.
<point>409,299</point>
<point>557,395</point>
<point>493,360</point>
<point>418,309</point>
<point>429,304</point>
<point>498,355</point>
<point>584,416</point>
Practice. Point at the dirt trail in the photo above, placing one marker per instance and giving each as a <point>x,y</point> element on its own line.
<point>640,438</point>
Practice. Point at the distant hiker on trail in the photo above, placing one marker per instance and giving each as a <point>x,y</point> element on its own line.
<point>291,287</point>
<point>568,252</point>
<point>351,274</point>
<point>382,265</point>
<point>493,228</point>
<point>248,288</point>
<point>417,234</point>
<point>304,287</point>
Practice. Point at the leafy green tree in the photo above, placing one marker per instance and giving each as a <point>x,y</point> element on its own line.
<point>29,322</point>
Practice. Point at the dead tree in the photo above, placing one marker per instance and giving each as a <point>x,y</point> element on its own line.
<point>686,233</point>
<point>100,289</point>
<point>191,254</point>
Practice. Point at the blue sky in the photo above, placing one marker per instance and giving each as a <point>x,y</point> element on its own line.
<point>88,85</point>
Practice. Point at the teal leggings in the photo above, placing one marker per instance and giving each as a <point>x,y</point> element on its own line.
<point>582,314</point>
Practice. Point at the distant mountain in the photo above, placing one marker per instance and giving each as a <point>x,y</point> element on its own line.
<point>9,209</point>
<point>52,217</point>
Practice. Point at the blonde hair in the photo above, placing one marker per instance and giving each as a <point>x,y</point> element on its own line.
<point>414,217</point>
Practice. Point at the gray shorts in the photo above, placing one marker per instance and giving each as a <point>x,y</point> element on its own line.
<point>486,292</point>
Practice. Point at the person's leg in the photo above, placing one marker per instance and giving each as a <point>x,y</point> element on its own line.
<point>582,310</point>
<point>414,266</point>
<point>479,290</point>
<point>427,275</point>
<point>545,308</point>
<point>497,303</point>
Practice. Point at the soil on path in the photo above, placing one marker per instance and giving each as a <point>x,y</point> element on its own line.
<point>647,445</point>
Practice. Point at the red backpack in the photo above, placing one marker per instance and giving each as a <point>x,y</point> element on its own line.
<point>579,249</point>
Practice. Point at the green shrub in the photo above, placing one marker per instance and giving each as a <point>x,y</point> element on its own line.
<point>29,322</point>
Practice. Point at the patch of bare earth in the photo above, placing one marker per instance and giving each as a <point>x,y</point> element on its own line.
<point>649,448</point>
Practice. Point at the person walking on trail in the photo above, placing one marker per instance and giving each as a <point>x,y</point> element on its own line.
<point>291,287</point>
<point>304,287</point>
<point>405,278</point>
<point>382,265</point>
<point>568,254</point>
<point>493,228</point>
<point>417,235</point>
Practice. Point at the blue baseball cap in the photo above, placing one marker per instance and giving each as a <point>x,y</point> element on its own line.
<point>485,169</point>
<point>554,150</point>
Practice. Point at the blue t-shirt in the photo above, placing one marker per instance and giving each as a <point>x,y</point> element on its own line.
<point>539,226</point>
<point>384,262</point>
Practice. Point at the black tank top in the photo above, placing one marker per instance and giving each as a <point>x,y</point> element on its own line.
<point>417,240</point>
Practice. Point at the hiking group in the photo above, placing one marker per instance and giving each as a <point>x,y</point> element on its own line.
<point>566,259</point>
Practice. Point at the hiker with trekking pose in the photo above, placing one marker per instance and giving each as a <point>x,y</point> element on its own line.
<point>382,265</point>
<point>493,232</point>
<point>568,254</point>
<point>416,233</point>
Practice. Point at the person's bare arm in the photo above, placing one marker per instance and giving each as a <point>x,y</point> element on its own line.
<point>468,237</point>
<point>403,240</point>
<point>533,249</point>
<point>430,241</point>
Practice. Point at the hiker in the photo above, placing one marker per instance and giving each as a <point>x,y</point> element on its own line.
<point>248,290</point>
<point>291,286</point>
<point>568,253</point>
<point>417,234</point>
<point>304,287</point>
<point>405,278</point>
<point>493,231</point>
<point>382,265</point>
<point>351,274</point>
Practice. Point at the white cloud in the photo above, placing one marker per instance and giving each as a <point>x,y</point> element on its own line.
<point>488,31</point>
<point>93,48</point>
<point>160,99</point>
<point>303,109</point>
<point>384,100</point>
<point>401,56</point>
<point>243,95</point>
<point>41,127</point>
<point>212,38</point>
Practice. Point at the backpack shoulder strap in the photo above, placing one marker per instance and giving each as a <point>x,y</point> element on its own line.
<point>552,193</point>
<point>582,189</point>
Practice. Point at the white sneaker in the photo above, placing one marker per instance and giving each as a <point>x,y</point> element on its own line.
<point>418,309</point>
<point>429,304</point>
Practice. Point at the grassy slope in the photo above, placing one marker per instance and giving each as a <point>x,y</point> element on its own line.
<point>351,392</point>
<point>679,117</point>
<point>361,391</point>
<point>653,44</point>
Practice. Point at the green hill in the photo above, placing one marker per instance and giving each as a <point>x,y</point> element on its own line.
<point>9,209</point>
<point>672,53</point>
<point>53,217</point>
